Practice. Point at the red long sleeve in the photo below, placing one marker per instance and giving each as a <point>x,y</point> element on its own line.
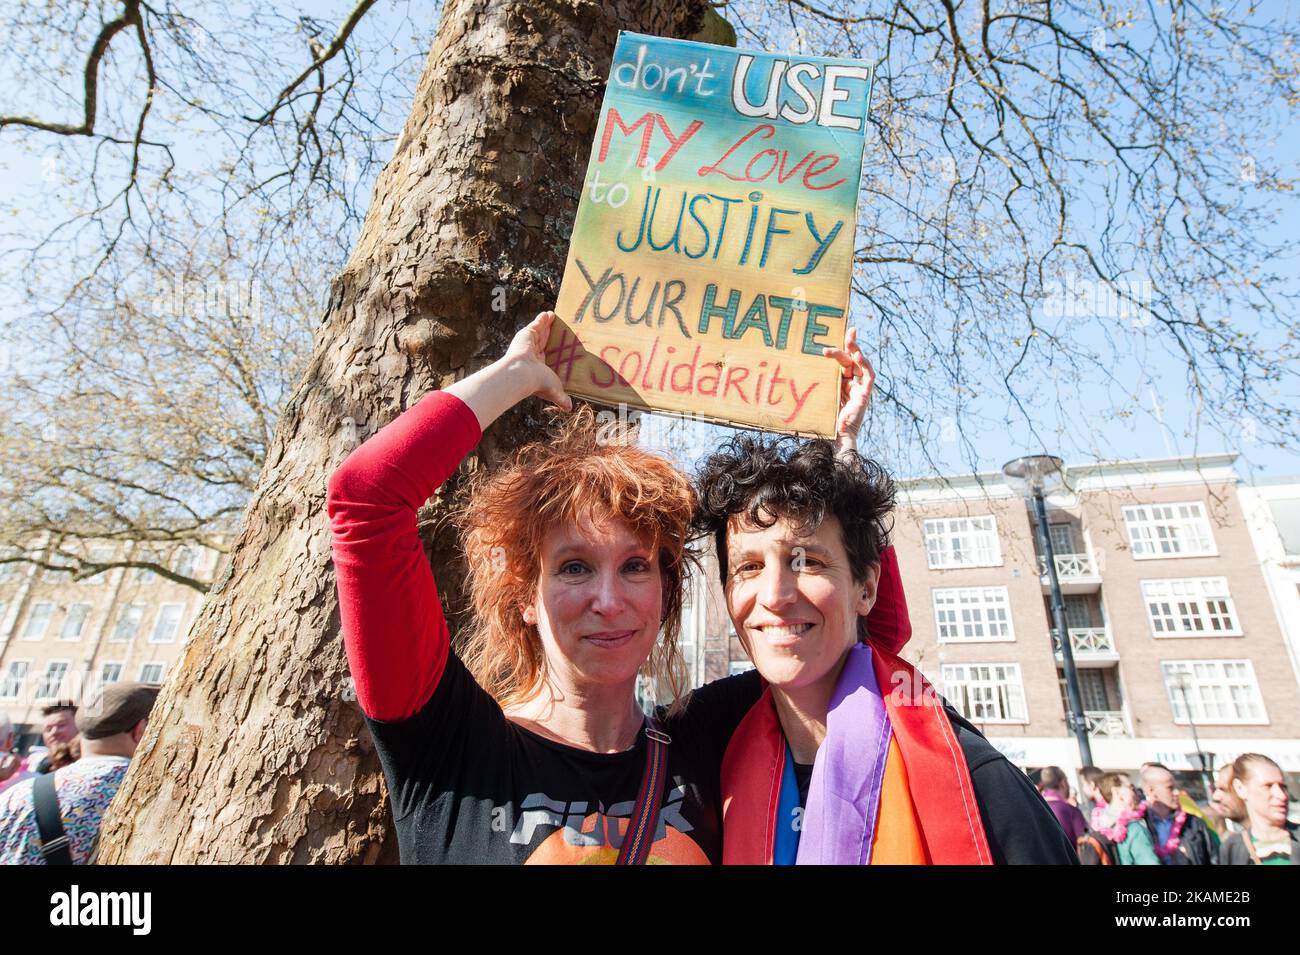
<point>393,625</point>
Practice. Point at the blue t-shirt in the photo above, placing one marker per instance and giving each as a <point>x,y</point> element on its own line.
<point>795,781</point>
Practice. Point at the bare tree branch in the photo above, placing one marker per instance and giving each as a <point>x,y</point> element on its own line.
<point>130,17</point>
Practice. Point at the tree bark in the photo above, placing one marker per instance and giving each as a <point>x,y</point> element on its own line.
<point>256,750</point>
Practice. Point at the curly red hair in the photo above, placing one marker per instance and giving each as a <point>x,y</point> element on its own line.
<point>588,470</point>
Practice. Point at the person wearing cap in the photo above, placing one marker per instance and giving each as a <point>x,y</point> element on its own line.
<point>111,727</point>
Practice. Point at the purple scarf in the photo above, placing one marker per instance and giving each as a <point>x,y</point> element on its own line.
<point>839,821</point>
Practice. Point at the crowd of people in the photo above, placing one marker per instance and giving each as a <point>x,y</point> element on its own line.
<point>525,742</point>
<point>1245,822</point>
<point>53,799</point>
<point>1111,822</point>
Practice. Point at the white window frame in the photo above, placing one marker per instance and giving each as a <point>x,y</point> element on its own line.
<point>1148,542</point>
<point>206,563</point>
<point>945,530</point>
<point>11,570</point>
<point>101,553</point>
<point>180,618</point>
<point>162,671</point>
<point>63,630</point>
<point>28,622</point>
<point>739,666</point>
<point>959,609</point>
<point>179,557</point>
<point>143,575</point>
<point>1077,600</point>
<point>110,663</point>
<point>1249,686</point>
<point>8,675</point>
<point>56,576</point>
<point>1058,528</point>
<point>1203,590</point>
<point>113,636</point>
<point>959,679</point>
<point>45,678</point>
<point>98,554</point>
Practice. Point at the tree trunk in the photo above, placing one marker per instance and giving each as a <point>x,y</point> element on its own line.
<point>256,750</point>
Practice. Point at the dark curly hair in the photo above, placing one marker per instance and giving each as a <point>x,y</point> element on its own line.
<point>766,478</point>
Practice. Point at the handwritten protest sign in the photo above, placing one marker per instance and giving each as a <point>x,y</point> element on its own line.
<point>712,252</point>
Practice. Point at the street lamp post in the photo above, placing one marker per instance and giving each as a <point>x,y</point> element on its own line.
<point>1203,759</point>
<point>1029,475</point>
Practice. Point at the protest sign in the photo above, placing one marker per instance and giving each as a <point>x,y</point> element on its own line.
<point>713,247</point>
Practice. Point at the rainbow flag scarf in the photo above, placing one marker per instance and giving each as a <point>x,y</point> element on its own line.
<point>863,804</point>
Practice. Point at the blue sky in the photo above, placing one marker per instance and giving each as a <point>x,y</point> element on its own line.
<point>1156,379</point>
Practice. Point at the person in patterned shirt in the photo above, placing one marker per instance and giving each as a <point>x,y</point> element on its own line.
<point>13,768</point>
<point>111,726</point>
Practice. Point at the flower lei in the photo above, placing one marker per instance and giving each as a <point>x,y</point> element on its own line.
<point>1118,830</point>
<point>1169,848</point>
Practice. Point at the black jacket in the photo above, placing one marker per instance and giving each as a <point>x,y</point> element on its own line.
<point>1234,850</point>
<point>1020,826</point>
<point>1195,844</point>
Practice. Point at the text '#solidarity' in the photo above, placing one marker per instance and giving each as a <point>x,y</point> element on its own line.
<point>662,368</point>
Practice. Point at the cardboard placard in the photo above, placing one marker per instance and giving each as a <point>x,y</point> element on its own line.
<point>712,252</point>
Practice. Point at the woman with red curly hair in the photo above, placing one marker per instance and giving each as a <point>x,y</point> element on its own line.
<point>529,745</point>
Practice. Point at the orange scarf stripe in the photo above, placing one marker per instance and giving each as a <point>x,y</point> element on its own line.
<point>944,799</point>
<point>898,839</point>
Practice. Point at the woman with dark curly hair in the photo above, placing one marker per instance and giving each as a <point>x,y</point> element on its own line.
<point>849,756</point>
<point>528,746</point>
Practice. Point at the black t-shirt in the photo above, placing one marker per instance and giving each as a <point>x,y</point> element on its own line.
<point>469,786</point>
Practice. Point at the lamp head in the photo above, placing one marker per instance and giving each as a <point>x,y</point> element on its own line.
<point>1034,472</point>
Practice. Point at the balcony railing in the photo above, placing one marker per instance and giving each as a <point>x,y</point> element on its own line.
<point>1071,567</point>
<point>1088,644</point>
<point>1106,723</point>
<point>1076,573</point>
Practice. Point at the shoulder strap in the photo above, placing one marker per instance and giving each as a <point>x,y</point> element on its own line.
<point>640,833</point>
<point>1249,843</point>
<point>49,821</point>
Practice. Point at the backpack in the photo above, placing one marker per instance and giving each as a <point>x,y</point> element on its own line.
<point>1095,849</point>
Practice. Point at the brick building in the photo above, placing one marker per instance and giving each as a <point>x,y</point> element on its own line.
<point>60,638</point>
